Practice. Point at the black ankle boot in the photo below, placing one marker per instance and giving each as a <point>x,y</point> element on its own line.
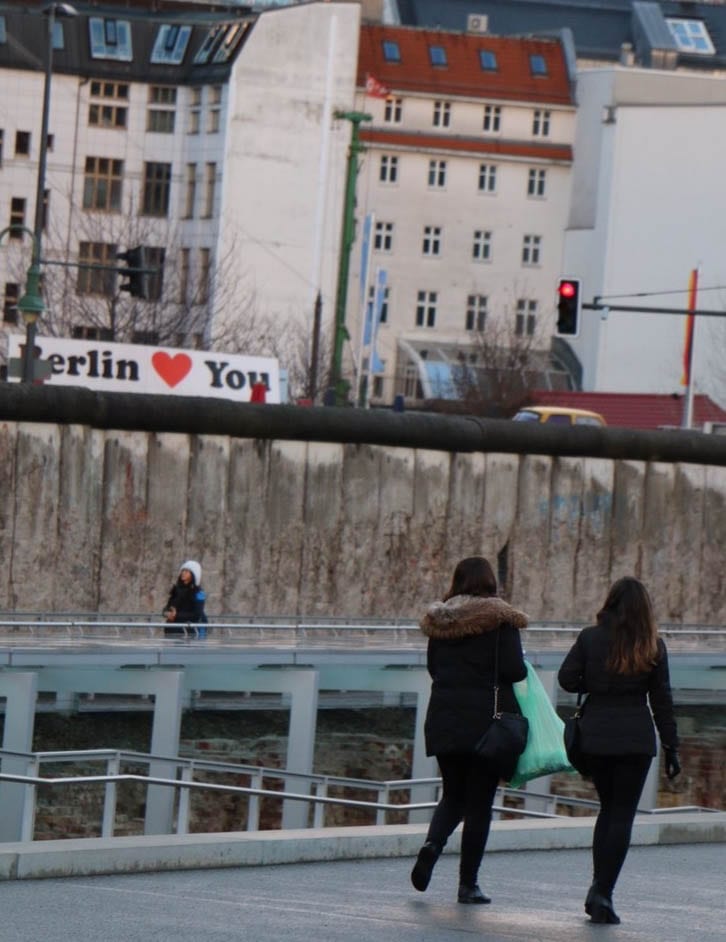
<point>601,909</point>
<point>472,895</point>
<point>424,866</point>
<point>591,893</point>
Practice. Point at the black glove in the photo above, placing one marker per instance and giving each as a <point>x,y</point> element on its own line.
<point>672,763</point>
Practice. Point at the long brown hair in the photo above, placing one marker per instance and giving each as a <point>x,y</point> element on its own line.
<point>473,576</point>
<point>628,611</point>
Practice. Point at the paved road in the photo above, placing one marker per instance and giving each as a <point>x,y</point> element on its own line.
<point>666,894</point>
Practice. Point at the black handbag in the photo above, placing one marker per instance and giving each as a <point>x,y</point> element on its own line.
<point>505,740</point>
<point>573,740</point>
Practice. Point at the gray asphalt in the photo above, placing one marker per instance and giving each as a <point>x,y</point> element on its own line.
<point>665,894</point>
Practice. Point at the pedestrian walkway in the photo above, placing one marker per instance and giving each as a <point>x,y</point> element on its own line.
<point>666,894</point>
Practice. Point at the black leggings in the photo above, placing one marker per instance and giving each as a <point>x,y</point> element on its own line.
<point>468,794</point>
<point>619,782</point>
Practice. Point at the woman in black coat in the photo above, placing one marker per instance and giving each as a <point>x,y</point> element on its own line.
<point>622,665</point>
<point>185,605</point>
<point>462,633</point>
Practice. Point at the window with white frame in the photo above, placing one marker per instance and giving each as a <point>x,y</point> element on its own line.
<point>426,308</point>
<point>393,110</point>
<point>492,121</point>
<point>437,174</point>
<point>205,273</point>
<point>525,322</point>
<point>156,189</point>
<point>195,110</point>
<point>161,114</point>
<point>102,184</point>
<point>541,123</point>
<point>210,185</point>
<point>431,244</point>
<point>481,249</point>
<point>531,249</point>
<point>476,312</point>
<point>383,237</point>
<point>190,190</point>
<point>96,280</point>
<point>388,169</point>
<point>487,178</point>
<point>22,143</point>
<point>108,104</point>
<point>384,304</point>
<point>442,114</point>
<point>691,36</point>
<point>536,179</point>
<point>184,274</point>
<point>110,38</point>
<point>170,44</point>
<point>215,109</point>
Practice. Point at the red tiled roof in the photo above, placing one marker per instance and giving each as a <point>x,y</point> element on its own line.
<point>440,142</point>
<point>635,410</point>
<point>463,75</point>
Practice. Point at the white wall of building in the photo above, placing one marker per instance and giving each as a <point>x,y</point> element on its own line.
<point>648,206</point>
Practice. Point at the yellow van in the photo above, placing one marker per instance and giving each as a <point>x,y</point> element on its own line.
<point>559,415</point>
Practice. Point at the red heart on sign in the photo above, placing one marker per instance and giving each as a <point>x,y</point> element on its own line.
<point>172,369</point>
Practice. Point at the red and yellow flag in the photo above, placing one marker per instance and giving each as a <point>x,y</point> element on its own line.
<point>690,323</point>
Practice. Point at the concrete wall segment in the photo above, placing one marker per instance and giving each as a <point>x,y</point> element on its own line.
<point>593,554</point>
<point>712,589</point>
<point>8,444</point>
<point>359,554</point>
<point>206,496</point>
<point>531,533</point>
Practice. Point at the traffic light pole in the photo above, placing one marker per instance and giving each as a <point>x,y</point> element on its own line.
<point>339,385</point>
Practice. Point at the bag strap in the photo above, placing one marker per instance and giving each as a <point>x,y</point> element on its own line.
<point>579,704</point>
<point>496,676</point>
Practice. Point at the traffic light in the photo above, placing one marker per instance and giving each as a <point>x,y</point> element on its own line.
<point>137,273</point>
<point>568,306</point>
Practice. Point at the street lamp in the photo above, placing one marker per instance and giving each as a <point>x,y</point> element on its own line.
<point>31,304</point>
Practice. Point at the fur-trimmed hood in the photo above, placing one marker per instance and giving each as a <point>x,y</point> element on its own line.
<point>465,615</point>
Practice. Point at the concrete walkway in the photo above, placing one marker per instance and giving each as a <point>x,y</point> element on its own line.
<point>666,894</point>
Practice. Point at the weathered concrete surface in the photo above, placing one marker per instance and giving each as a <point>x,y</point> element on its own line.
<point>94,520</point>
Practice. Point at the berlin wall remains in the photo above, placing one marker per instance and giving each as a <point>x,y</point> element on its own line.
<point>98,520</point>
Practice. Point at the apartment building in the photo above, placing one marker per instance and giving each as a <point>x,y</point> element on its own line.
<point>466,177</point>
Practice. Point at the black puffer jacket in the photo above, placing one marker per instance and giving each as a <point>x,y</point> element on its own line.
<point>462,636</point>
<point>616,718</point>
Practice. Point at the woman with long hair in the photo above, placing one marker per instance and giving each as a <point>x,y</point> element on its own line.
<point>463,631</point>
<point>622,665</point>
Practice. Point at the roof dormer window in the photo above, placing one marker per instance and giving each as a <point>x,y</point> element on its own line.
<point>391,51</point>
<point>171,44</point>
<point>437,55</point>
<point>488,60</point>
<point>691,36</point>
<point>110,38</point>
<point>537,65</point>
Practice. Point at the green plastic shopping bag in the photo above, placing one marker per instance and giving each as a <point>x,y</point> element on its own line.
<point>544,753</point>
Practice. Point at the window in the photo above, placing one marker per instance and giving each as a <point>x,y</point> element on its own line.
<point>184,269</point>
<point>162,109</point>
<point>83,332</point>
<point>58,36</point>
<point>383,237</point>
<point>492,118</point>
<point>384,304</point>
<point>388,170</point>
<point>437,174</point>
<point>149,338</point>
<point>476,312</point>
<point>195,109</point>
<point>536,182</point>
<point>531,246</point>
<point>391,51</point>
<point>3,33</point>
<point>106,112</point>
<point>537,65</point>
<point>393,110</point>
<point>481,250</point>
<point>190,190</point>
<point>157,184</point>
<point>171,44</point>
<point>110,39</point>
<point>97,281</point>
<point>102,184</point>
<point>17,217</point>
<point>210,42</point>
<point>231,39</point>
<point>488,60</point>
<point>541,123</point>
<point>210,182</point>
<point>2,137</point>
<point>437,56</point>
<point>442,114</point>
<point>215,108</point>
<point>426,309</point>
<point>431,244</point>
<point>526,318</point>
<point>155,277</point>
<point>691,36</point>
<point>487,178</point>
<point>10,302</point>
<point>205,268</point>
<point>22,143</point>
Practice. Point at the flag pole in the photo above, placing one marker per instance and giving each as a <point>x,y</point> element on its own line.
<point>687,378</point>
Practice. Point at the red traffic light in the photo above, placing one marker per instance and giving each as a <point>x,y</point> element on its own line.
<point>567,289</point>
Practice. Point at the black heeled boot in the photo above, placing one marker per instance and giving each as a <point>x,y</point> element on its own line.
<point>601,908</point>
<point>472,895</point>
<point>424,866</point>
<point>591,893</point>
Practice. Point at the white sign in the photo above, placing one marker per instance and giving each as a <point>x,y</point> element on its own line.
<point>126,367</point>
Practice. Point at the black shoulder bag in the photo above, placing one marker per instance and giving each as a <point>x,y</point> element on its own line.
<point>505,740</point>
<point>573,739</point>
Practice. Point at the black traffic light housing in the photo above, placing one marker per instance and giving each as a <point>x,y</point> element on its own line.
<point>136,272</point>
<point>568,307</point>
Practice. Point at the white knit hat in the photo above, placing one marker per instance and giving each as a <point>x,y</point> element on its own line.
<point>194,568</point>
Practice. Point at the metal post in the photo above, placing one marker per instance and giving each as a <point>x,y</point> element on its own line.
<point>340,387</point>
